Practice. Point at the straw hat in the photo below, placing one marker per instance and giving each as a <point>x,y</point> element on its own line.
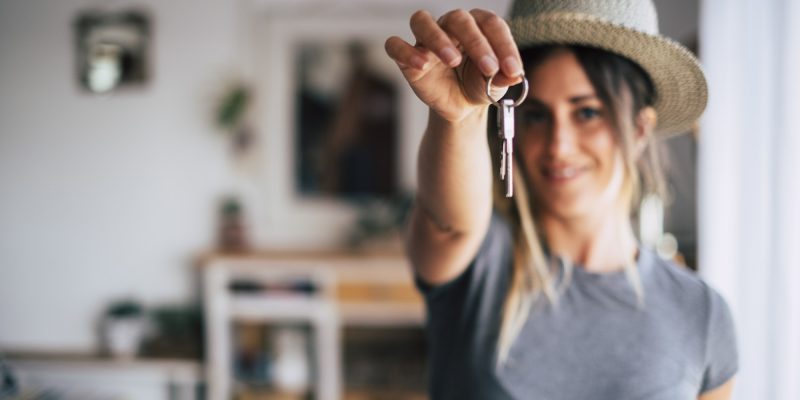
<point>628,28</point>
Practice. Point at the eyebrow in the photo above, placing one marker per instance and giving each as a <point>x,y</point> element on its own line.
<point>578,99</point>
<point>574,100</point>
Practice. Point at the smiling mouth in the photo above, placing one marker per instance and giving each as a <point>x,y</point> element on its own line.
<point>562,174</point>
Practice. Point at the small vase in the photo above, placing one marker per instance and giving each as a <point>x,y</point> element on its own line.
<point>290,368</point>
<point>123,336</point>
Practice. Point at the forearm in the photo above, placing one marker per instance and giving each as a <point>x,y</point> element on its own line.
<point>454,172</point>
<point>454,198</point>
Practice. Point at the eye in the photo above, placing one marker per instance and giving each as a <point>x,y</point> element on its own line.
<point>587,113</point>
<point>533,116</point>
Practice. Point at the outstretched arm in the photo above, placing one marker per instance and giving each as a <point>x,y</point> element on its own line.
<point>447,69</point>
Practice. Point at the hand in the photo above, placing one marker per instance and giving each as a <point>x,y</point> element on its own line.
<point>449,65</point>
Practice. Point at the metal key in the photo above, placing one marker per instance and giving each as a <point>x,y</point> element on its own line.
<point>505,125</point>
<point>505,130</point>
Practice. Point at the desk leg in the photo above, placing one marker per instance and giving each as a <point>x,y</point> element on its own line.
<point>218,335</point>
<point>328,352</point>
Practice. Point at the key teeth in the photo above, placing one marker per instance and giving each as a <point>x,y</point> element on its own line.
<point>503,162</point>
<point>510,181</point>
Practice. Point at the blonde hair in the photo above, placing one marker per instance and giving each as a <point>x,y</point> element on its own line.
<point>625,90</point>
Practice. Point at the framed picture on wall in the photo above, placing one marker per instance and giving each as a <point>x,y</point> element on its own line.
<point>346,120</point>
<point>339,124</point>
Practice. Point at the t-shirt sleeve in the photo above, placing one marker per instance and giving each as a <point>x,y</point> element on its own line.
<point>722,358</point>
<point>493,252</point>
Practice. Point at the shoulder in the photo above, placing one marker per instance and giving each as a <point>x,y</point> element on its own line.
<point>682,294</point>
<point>681,283</point>
<point>703,310</point>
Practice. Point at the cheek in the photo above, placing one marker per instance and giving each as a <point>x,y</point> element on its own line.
<point>527,153</point>
<point>607,152</point>
<point>601,145</point>
<point>612,170</point>
<point>614,181</point>
<point>529,147</point>
<point>600,137</point>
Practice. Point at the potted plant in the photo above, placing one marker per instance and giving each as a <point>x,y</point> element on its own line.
<point>123,327</point>
<point>230,115</point>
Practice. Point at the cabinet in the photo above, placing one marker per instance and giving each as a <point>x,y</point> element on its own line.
<point>344,290</point>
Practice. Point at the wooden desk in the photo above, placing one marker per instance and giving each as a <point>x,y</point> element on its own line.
<point>352,290</point>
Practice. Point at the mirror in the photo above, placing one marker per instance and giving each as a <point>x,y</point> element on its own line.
<point>112,49</point>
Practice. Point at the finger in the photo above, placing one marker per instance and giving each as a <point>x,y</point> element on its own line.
<point>406,55</point>
<point>462,26</point>
<point>503,81</point>
<point>431,36</point>
<point>474,86</point>
<point>498,34</point>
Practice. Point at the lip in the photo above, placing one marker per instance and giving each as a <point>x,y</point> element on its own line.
<point>562,174</point>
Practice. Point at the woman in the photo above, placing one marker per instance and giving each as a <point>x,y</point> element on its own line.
<point>550,296</point>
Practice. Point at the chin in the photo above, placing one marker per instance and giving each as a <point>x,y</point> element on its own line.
<point>565,208</point>
<point>566,214</point>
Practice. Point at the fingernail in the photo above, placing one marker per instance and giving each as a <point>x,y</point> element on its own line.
<point>418,62</point>
<point>512,66</point>
<point>450,56</point>
<point>488,65</point>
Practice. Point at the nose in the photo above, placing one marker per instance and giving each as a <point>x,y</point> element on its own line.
<point>561,138</point>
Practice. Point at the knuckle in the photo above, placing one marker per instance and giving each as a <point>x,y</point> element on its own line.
<point>474,43</point>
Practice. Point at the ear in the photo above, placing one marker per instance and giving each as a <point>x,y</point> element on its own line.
<point>645,126</point>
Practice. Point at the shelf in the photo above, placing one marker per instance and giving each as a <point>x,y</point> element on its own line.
<point>279,308</point>
<point>348,395</point>
<point>288,309</point>
<point>382,314</point>
<point>349,290</point>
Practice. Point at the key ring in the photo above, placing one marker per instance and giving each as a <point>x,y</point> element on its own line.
<point>519,100</point>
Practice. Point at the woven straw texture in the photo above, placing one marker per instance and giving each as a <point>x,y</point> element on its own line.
<point>628,28</point>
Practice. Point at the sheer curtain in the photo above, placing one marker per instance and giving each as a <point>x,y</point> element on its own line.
<point>749,184</point>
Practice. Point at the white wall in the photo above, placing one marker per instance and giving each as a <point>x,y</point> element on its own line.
<point>103,197</point>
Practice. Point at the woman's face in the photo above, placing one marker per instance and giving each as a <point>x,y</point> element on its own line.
<point>567,142</point>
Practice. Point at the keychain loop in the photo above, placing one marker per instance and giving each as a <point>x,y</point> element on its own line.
<point>519,100</point>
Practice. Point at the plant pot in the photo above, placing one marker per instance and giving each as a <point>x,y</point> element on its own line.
<point>123,336</point>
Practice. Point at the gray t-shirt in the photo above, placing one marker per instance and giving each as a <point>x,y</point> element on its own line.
<point>597,344</point>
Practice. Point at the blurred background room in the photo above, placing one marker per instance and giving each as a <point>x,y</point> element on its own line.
<point>204,199</point>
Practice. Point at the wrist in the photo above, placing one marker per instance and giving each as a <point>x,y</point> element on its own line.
<point>470,120</point>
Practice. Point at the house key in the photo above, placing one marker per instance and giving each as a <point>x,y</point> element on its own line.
<point>505,130</point>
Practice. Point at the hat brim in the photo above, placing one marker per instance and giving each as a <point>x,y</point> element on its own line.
<point>681,90</point>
